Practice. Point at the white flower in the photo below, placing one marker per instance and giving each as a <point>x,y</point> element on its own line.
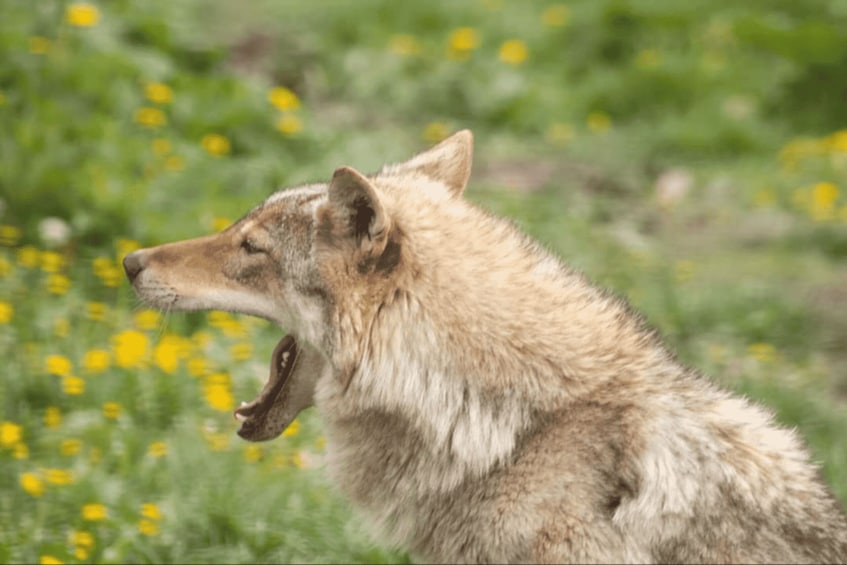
<point>54,231</point>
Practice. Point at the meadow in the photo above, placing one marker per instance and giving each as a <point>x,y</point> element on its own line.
<point>689,156</point>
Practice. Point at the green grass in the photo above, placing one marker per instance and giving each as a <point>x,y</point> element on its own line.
<point>741,269</point>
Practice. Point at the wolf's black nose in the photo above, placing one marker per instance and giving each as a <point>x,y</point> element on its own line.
<point>133,265</point>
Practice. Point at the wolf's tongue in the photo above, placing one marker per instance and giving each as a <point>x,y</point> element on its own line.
<point>260,419</point>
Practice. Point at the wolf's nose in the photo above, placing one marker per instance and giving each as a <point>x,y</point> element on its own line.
<point>133,265</point>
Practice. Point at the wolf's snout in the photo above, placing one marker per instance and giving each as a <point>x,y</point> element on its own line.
<point>133,264</point>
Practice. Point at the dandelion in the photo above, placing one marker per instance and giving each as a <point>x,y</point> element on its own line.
<point>822,206</point>
<point>49,560</point>
<point>52,417</point>
<point>293,429</point>
<point>217,441</point>
<point>157,449</point>
<point>31,484</point>
<point>95,311</point>
<point>253,453</point>
<point>283,99</point>
<point>435,132</point>
<point>111,410</point>
<point>10,434</point>
<point>838,141</point>
<point>161,147</point>
<point>150,117</point>
<point>147,319</point>
<point>81,553</point>
<point>39,45</point>
<point>174,163</point>
<point>6,312</point>
<point>405,45</point>
<point>58,284</point>
<point>151,511</point>
<point>555,15</point>
<point>28,257</point>
<point>82,14</point>
<point>58,365</point>
<point>215,144</point>
<point>130,348</point>
<point>200,339</point>
<point>241,351</point>
<point>96,361</point>
<point>559,134</point>
<point>94,512</point>
<point>70,447</point>
<point>51,262</point>
<point>218,392</point>
<point>167,353</point>
<point>59,477</point>
<point>20,451</point>
<point>198,367</point>
<point>462,41</point>
<point>9,235</point>
<point>298,460</point>
<point>220,223</point>
<point>73,386</point>
<point>148,527</point>
<point>762,352</point>
<point>598,122</point>
<point>158,93</point>
<point>289,124</point>
<point>513,52</point>
<point>82,539</point>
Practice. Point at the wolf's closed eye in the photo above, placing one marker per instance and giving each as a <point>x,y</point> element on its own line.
<point>250,247</point>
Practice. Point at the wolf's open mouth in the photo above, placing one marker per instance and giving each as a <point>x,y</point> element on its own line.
<point>264,418</point>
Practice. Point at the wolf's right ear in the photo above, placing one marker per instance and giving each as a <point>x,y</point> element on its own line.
<point>357,203</point>
<point>448,162</point>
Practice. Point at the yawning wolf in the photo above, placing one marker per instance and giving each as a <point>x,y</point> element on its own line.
<point>482,401</point>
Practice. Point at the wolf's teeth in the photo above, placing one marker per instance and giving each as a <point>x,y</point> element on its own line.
<point>244,403</point>
<point>240,417</point>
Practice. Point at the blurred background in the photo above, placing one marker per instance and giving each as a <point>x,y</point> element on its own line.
<point>690,156</point>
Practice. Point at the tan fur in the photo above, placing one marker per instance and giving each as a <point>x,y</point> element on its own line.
<point>485,403</point>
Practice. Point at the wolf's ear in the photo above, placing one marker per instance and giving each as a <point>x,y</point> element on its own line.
<point>448,162</point>
<point>357,202</point>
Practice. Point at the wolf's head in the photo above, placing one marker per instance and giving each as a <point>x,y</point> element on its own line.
<point>317,260</point>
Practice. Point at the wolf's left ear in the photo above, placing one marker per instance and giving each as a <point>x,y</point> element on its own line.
<point>357,202</point>
<point>448,162</point>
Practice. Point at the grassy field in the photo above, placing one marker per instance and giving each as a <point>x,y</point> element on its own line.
<point>690,156</point>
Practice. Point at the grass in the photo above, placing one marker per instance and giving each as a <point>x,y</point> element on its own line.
<point>688,156</point>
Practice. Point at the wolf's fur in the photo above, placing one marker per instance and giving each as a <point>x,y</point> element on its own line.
<point>485,403</point>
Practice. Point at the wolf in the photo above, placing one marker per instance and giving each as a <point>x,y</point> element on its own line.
<point>482,401</point>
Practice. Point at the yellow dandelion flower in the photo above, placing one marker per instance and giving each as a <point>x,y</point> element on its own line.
<point>151,511</point>
<point>51,262</point>
<point>126,246</point>
<point>161,147</point>
<point>293,429</point>
<point>94,512</point>
<point>215,144</point>
<point>31,484</point>
<point>70,447</point>
<point>148,527</point>
<point>158,93</point>
<point>824,196</point>
<point>58,365</point>
<point>111,410</point>
<point>198,367</point>
<point>82,14</point>
<point>130,348</point>
<point>157,449</point>
<point>220,223</point>
<point>52,417</point>
<point>73,386</point>
<point>58,284</point>
<point>82,539</point>
<point>174,163</point>
<point>28,257</point>
<point>112,277</point>
<point>762,352</point>
<point>218,393</point>
<point>838,141</point>
<point>60,477</point>
<point>20,451</point>
<point>283,98</point>
<point>81,553</point>
<point>241,351</point>
<point>167,353</point>
<point>598,122</point>
<point>559,134</point>
<point>9,235</point>
<point>253,453</point>
<point>298,460</point>
<point>462,41</point>
<point>49,560</point>
<point>6,312</point>
<point>217,441</point>
<point>61,327</point>
<point>95,311</point>
<point>39,45</point>
<point>435,132</point>
<point>147,319</point>
<point>556,15</point>
<point>405,45</point>
<point>513,52</point>
<point>10,434</point>
<point>289,124</point>
<point>201,339</point>
<point>150,117</point>
<point>96,361</point>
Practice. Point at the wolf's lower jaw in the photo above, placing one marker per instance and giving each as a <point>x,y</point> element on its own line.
<point>262,418</point>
